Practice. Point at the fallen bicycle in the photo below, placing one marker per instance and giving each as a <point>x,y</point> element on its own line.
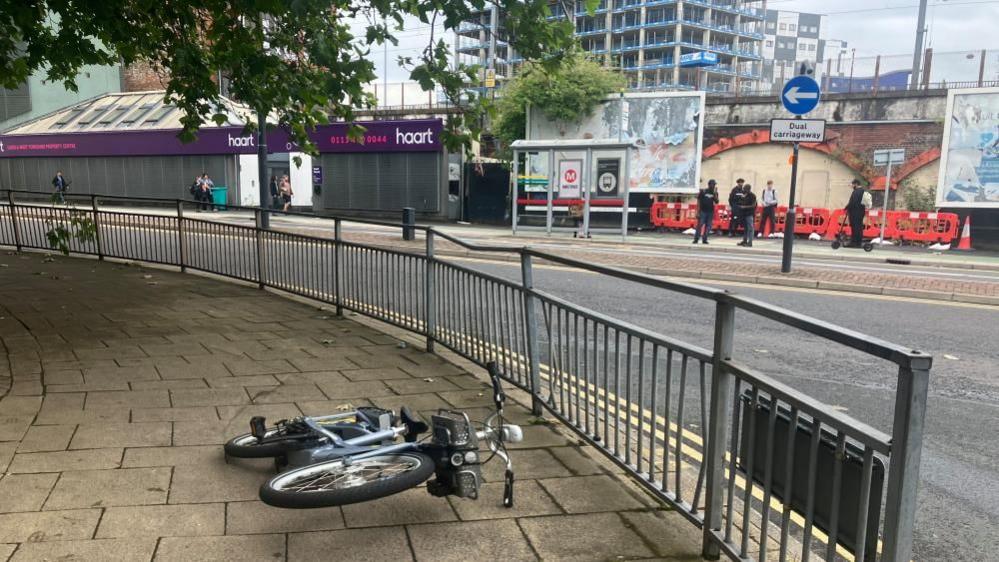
<point>355,456</point>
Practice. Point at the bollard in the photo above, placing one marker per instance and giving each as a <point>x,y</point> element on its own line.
<point>408,223</point>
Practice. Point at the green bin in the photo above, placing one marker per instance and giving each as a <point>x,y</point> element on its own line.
<point>220,194</point>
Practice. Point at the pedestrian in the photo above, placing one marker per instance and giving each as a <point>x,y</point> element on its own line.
<point>274,192</point>
<point>734,204</point>
<point>61,184</point>
<point>856,210</point>
<point>286,192</point>
<point>769,216</point>
<point>206,186</point>
<point>706,201</point>
<point>748,212</point>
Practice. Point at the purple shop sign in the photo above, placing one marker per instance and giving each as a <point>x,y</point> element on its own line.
<point>381,136</point>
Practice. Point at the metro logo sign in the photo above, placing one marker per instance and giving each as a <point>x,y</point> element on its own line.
<point>569,172</point>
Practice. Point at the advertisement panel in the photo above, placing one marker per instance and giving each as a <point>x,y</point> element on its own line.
<point>667,127</point>
<point>969,163</point>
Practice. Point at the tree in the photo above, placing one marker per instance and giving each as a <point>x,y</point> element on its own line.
<point>567,91</point>
<point>299,59</point>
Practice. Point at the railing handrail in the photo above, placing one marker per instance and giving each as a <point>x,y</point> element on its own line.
<point>898,354</point>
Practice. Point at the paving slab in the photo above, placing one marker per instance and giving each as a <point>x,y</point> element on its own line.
<point>596,537</point>
<point>111,435</point>
<point>59,461</point>
<point>25,492</point>
<point>482,541</point>
<point>255,517</point>
<point>243,548</point>
<point>102,488</point>
<point>48,525</point>
<point>163,521</point>
<point>111,550</point>
<point>351,545</point>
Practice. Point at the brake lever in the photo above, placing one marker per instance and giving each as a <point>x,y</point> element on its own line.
<point>508,489</point>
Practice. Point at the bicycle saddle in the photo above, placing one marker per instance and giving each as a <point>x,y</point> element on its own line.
<point>414,427</point>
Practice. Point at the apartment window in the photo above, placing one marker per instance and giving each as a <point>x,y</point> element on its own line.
<point>783,27</point>
<point>771,26</point>
<point>802,47</point>
<point>770,43</point>
<point>792,27</point>
<point>811,47</point>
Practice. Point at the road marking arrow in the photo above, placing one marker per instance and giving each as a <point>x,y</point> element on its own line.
<point>794,94</point>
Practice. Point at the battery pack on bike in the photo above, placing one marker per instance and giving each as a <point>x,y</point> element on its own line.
<point>458,471</point>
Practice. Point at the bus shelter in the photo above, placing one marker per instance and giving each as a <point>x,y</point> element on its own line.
<point>559,176</point>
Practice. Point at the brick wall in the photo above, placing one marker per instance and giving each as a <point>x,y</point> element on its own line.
<point>854,144</point>
<point>141,77</point>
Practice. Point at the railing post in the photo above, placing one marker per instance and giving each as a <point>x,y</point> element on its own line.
<point>97,228</point>
<point>430,289</point>
<point>718,423</point>
<point>259,221</point>
<point>181,239</point>
<point>903,468</point>
<point>337,254</point>
<point>527,280</point>
<point>13,220</point>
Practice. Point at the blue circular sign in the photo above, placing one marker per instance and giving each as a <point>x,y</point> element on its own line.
<point>800,95</point>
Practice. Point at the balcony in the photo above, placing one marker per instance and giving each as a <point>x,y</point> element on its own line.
<point>627,47</point>
<point>584,33</point>
<point>660,23</point>
<point>628,27</point>
<point>628,5</point>
<point>657,63</point>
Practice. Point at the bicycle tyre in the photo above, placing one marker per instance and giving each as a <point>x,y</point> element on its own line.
<point>246,446</point>
<point>278,490</point>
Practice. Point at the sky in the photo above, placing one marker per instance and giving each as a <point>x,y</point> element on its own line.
<point>872,27</point>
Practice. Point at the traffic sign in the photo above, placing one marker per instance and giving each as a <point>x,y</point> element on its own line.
<point>797,130</point>
<point>891,156</point>
<point>800,95</point>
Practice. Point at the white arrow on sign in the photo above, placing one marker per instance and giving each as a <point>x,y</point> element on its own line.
<point>794,94</point>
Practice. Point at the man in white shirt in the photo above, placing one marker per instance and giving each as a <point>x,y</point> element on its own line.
<point>769,209</point>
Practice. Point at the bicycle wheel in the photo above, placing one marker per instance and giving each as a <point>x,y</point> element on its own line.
<point>276,442</point>
<point>335,483</point>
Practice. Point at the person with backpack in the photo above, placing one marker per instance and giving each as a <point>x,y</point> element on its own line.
<point>61,184</point>
<point>706,201</point>
<point>747,213</point>
<point>855,211</point>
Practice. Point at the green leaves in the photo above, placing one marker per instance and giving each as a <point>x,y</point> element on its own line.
<point>566,91</point>
<point>298,60</point>
<point>77,225</point>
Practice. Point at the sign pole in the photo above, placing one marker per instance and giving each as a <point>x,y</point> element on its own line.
<point>785,262</point>
<point>884,206</point>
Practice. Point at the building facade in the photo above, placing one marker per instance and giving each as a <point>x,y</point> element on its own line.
<point>645,39</point>
<point>791,38</point>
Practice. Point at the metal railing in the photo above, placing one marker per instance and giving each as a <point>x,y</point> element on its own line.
<point>761,467</point>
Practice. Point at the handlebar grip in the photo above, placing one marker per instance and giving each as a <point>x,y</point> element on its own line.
<point>508,489</point>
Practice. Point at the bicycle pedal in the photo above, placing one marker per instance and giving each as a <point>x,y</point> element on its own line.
<point>258,427</point>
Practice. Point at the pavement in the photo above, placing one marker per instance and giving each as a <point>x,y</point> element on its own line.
<point>119,385</point>
<point>909,271</point>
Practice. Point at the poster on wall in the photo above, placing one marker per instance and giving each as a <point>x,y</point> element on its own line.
<point>969,166</point>
<point>667,127</point>
<point>570,176</point>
